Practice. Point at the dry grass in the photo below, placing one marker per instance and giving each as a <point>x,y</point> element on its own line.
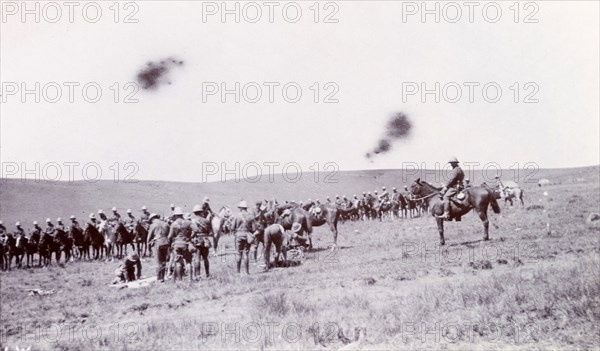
<point>528,288</point>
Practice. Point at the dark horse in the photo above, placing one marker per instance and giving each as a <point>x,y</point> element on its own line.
<point>124,238</point>
<point>17,248</point>
<point>140,238</point>
<point>329,214</point>
<point>476,197</point>
<point>96,239</point>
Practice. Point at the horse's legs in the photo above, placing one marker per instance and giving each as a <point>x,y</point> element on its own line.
<point>486,224</point>
<point>58,255</point>
<point>440,225</point>
<point>521,198</point>
<point>334,230</point>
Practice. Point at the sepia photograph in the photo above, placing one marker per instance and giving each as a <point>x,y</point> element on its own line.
<point>299,175</point>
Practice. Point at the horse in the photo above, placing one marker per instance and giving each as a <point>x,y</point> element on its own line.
<point>32,247</point>
<point>220,226</point>
<point>57,244</point>
<point>45,249</point>
<point>81,241</point>
<point>17,247</point>
<point>110,237</point>
<point>411,206</point>
<point>67,246</point>
<point>140,238</point>
<point>365,211</point>
<point>476,197</point>
<point>383,207</point>
<point>398,205</point>
<point>510,190</point>
<point>329,214</point>
<point>96,240</point>
<point>274,234</point>
<point>123,238</point>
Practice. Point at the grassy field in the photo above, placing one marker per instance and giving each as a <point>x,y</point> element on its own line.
<point>534,285</point>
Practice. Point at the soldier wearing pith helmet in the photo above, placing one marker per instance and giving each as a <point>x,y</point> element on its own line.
<point>454,184</point>
<point>242,226</point>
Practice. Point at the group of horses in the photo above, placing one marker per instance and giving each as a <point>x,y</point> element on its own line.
<point>93,242</point>
<point>108,241</point>
<point>396,206</point>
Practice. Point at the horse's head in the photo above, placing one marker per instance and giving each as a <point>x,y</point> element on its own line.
<point>416,188</point>
<point>224,212</point>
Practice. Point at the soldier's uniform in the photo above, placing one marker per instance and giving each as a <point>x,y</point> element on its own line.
<point>242,227</point>
<point>201,231</point>
<point>159,233</point>
<point>130,222</point>
<point>114,220</point>
<point>145,218</point>
<point>454,185</point>
<point>33,242</point>
<point>355,201</point>
<point>75,231</point>
<point>206,210</point>
<point>180,235</point>
<point>129,270</point>
<point>61,236</point>
<point>385,196</point>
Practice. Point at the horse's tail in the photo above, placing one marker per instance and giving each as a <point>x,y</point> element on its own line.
<point>493,202</point>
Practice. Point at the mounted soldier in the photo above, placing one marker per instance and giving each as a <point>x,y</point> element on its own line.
<point>385,196</point>
<point>145,218</point>
<point>130,221</point>
<point>453,186</point>
<point>60,240</point>
<point>338,200</point>
<point>33,242</point>
<point>115,218</point>
<point>76,234</point>
<point>206,210</point>
<point>45,246</point>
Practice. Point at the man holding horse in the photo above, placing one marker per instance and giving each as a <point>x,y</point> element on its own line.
<point>453,186</point>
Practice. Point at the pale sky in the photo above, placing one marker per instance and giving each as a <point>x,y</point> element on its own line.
<point>370,54</point>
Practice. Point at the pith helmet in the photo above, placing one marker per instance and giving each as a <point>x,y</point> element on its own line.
<point>197,208</point>
<point>243,204</point>
<point>453,159</point>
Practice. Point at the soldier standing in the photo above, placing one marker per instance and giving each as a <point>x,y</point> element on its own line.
<point>159,234</point>
<point>241,225</point>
